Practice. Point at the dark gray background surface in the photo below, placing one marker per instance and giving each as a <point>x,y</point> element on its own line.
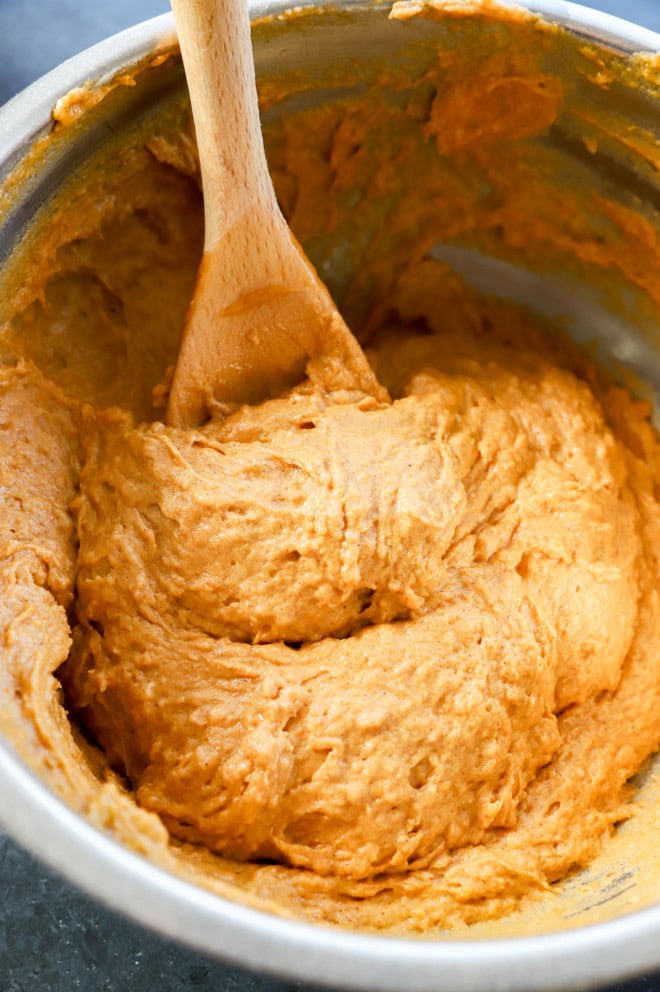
<point>52,938</point>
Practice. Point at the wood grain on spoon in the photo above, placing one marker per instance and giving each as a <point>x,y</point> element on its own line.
<point>259,311</point>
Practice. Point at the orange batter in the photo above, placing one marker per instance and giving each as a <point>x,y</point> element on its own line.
<point>392,663</point>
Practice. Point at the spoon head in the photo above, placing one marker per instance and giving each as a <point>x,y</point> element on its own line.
<point>251,344</point>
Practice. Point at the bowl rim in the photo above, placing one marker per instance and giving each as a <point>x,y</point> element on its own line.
<point>27,114</point>
<point>291,949</point>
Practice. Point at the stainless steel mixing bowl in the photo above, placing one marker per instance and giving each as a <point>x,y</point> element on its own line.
<point>578,947</point>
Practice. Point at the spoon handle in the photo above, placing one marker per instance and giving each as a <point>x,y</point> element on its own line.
<point>217,52</point>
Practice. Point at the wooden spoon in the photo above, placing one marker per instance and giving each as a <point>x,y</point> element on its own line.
<point>259,311</point>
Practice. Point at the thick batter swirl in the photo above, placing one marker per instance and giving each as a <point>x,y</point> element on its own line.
<point>335,633</point>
